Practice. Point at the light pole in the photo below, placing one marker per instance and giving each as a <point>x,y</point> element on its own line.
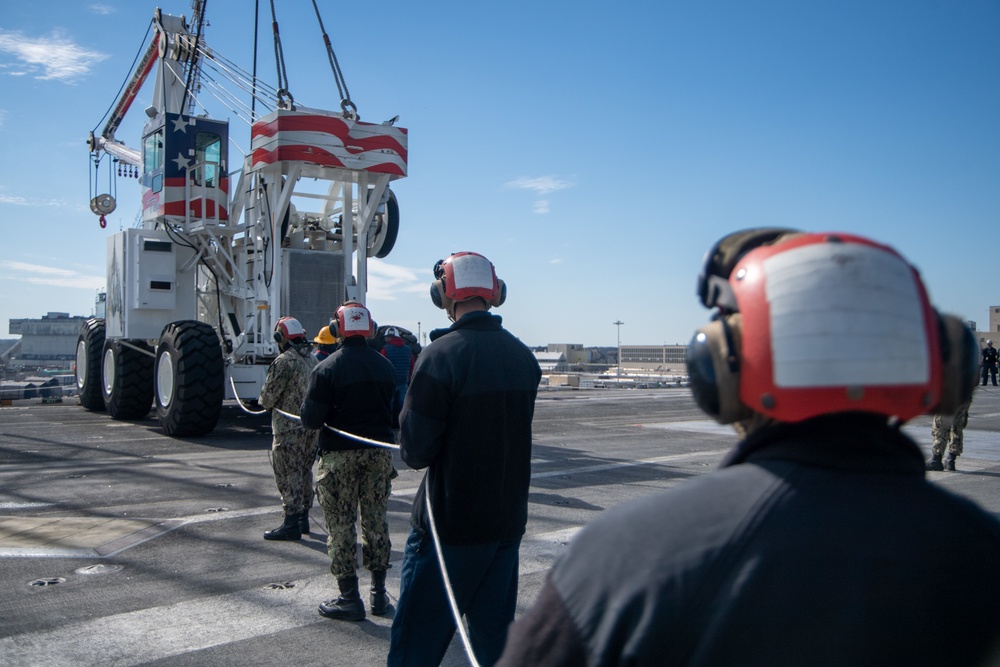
<point>619,323</point>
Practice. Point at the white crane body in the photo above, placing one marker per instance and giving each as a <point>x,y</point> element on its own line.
<point>194,292</point>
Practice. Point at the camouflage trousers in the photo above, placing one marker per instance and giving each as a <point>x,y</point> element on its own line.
<point>292,456</point>
<point>349,479</point>
<point>947,432</point>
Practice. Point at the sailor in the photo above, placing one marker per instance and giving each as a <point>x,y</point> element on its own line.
<point>989,363</point>
<point>819,541</point>
<point>397,351</point>
<point>467,420</point>
<point>351,391</point>
<point>326,344</point>
<point>293,450</point>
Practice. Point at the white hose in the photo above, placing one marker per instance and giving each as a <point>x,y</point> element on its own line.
<point>430,516</point>
<point>296,418</point>
<point>447,582</point>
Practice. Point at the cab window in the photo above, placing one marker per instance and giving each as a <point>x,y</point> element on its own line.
<point>208,154</point>
<point>152,156</point>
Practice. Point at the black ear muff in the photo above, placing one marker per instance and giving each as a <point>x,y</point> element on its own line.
<point>334,327</point>
<point>960,364</point>
<point>438,297</point>
<point>713,364</point>
<point>501,294</point>
<point>278,337</point>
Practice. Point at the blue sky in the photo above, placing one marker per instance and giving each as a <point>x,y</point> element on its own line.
<point>592,150</point>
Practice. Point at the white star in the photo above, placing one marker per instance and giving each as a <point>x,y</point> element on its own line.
<point>182,162</point>
<point>181,124</point>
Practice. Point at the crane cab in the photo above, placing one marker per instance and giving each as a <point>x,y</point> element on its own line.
<point>184,177</point>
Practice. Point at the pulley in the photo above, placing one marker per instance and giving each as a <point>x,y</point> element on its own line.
<point>103,204</point>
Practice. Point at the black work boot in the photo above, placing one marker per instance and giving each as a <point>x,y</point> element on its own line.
<point>380,599</point>
<point>304,522</point>
<point>348,607</point>
<point>935,463</point>
<point>289,530</point>
<point>949,463</point>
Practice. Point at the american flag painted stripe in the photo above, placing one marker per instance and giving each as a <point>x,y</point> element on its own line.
<point>364,136</point>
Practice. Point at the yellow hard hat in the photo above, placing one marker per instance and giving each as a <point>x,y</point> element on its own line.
<point>325,337</point>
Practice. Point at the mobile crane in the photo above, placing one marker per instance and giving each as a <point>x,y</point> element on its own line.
<point>193,293</point>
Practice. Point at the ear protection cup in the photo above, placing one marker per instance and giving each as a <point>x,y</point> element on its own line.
<point>713,365</point>
<point>501,294</point>
<point>438,296</point>
<point>334,327</point>
<point>279,337</point>
<point>960,364</point>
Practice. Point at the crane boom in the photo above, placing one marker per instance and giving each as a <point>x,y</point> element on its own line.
<point>145,66</point>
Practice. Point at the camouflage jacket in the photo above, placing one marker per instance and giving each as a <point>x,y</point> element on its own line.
<point>285,386</point>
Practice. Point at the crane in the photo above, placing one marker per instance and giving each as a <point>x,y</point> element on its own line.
<point>194,291</point>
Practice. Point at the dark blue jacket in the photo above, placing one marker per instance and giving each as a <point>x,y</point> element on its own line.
<point>398,353</point>
<point>467,417</point>
<point>819,543</point>
<point>351,390</point>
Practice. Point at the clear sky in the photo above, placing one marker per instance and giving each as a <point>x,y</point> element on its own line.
<point>592,150</point>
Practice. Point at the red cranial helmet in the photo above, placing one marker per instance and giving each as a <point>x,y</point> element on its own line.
<point>289,329</point>
<point>826,323</point>
<point>352,319</point>
<point>463,276</point>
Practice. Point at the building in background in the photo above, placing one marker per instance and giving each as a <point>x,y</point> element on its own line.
<point>48,343</point>
<point>576,356</point>
<point>551,362</point>
<point>654,358</point>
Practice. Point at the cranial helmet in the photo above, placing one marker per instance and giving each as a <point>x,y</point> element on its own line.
<point>392,332</point>
<point>352,319</point>
<point>812,324</point>
<point>324,337</point>
<point>463,276</point>
<point>288,330</point>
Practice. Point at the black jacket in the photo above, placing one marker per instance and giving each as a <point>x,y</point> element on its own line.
<point>467,416</point>
<point>351,390</point>
<point>817,544</point>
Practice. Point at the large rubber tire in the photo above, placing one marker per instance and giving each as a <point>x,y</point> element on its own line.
<point>189,378</point>
<point>127,379</point>
<point>384,238</point>
<point>89,346</point>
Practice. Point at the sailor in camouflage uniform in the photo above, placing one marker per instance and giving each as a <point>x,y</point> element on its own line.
<point>293,451</point>
<point>351,391</point>
<point>947,432</point>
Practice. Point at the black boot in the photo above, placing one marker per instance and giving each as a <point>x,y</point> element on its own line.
<point>304,522</point>
<point>949,463</point>
<point>935,463</point>
<point>289,530</point>
<point>348,607</point>
<point>380,599</point>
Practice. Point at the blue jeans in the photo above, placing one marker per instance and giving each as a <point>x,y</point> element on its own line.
<point>484,580</point>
